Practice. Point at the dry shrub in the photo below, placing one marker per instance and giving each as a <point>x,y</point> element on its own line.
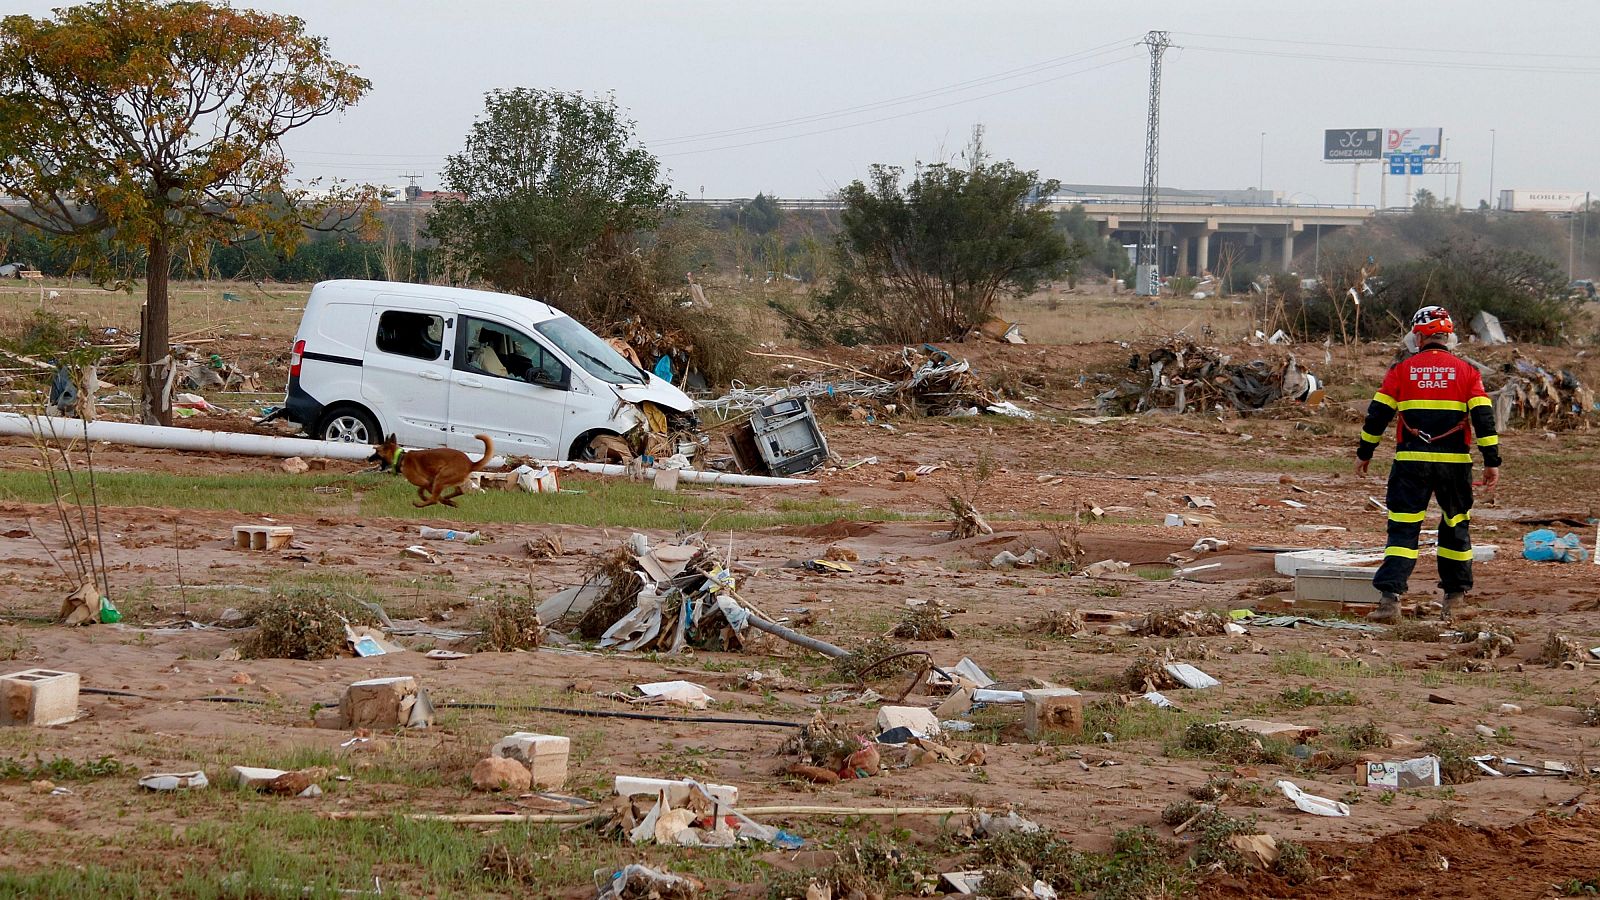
<point>1455,758</point>
<point>301,626</point>
<point>1558,649</point>
<point>1190,623</point>
<point>820,743</point>
<point>924,623</point>
<point>1148,673</point>
<point>1058,622</point>
<point>1366,736</point>
<point>1236,746</point>
<point>849,668</point>
<point>1412,630</point>
<point>616,569</point>
<point>511,623</point>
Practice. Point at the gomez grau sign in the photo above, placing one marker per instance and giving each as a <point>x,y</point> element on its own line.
<point>1352,143</point>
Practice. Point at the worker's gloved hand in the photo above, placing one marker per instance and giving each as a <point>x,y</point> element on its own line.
<point>1491,478</point>
<point>1361,466</point>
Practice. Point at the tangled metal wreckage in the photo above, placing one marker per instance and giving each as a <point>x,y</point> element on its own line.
<point>1181,375</point>
<point>932,378</point>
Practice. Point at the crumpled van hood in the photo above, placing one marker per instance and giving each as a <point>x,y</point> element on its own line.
<point>658,392</point>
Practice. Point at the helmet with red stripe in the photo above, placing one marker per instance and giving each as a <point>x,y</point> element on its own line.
<point>1432,320</point>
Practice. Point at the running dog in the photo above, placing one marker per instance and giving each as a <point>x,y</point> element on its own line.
<point>432,471</point>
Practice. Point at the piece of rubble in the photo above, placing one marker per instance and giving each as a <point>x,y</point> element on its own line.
<point>40,697</point>
<point>253,777</point>
<point>1191,677</point>
<point>1057,710</point>
<point>262,537</point>
<point>380,703</point>
<point>294,465</point>
<point>920,721</point>
<point>174,781</point>
<point>1296,733</point>
<point>499,773</point>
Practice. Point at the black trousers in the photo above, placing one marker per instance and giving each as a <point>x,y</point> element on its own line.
<point>1411,484</point>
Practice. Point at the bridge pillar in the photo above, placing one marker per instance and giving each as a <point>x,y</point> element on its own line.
<point>1183,255</point>
<point>1203,257</point>
<point>1288,249</point>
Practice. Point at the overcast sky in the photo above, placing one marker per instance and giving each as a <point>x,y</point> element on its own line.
<point>1073,104</point>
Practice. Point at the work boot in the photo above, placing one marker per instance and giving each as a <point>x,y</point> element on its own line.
<point>1388,611</point>
<point>1453,603</point>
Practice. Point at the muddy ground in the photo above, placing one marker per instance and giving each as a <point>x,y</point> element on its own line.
<point>175,573</point>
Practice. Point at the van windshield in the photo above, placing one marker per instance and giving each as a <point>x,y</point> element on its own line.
<point>597,357</point>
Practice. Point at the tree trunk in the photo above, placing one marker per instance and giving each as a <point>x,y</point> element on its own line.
<point>155,364</point>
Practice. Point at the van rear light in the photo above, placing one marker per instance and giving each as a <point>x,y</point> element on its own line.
<point>296,358</point>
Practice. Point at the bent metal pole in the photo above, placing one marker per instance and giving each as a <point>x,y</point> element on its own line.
<point>166,438</point>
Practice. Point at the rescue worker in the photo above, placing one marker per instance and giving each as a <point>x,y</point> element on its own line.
<point>1441,410</point>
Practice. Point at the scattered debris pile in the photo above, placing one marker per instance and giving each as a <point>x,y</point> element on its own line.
<point>665,598</point>
<point>1180,374</point>
<point>925,377</point>
<point>1528,394</point>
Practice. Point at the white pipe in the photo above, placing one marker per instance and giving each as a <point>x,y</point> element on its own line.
<point>163,438</point>
<point>693,476</point>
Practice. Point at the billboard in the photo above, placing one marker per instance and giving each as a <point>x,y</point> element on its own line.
<point>1428,142</point>
<point>1352,144</point>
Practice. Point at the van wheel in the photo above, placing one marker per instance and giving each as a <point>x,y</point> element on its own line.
<point>583,448</point>
<point>350,425</point>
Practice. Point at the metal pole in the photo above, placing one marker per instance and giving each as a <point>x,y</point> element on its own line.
<point>1355,184</point>
<point>1383,185</point>
<point>1583,252</point>
<point>1261,167</point>
<point>1316,263</point>
<point>1494,199</point>
<point>1458,185</point>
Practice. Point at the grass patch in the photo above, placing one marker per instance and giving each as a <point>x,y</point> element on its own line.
<point>609,503</point>
<point>1234,746</point>
<point>62,769</point>
<point>1365,736</point>
<point>1140,866</point>
<point>1302,697</point>
<point>873,866</point>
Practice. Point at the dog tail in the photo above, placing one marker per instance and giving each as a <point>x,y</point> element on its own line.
<point>488,453</point>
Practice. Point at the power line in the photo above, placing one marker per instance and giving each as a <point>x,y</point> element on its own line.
<point>931,93</point>
<point>1391,48</point>
<point>1408,63</point>
<point>914,112</point>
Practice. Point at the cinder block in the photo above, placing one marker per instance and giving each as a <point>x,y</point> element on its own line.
<point>38,697</point>
<point>1052,710</point>
<point>545,755</point>
<point>262,537</point>
<point>380,703</point>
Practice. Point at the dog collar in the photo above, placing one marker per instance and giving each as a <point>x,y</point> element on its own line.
<point>398,452</point>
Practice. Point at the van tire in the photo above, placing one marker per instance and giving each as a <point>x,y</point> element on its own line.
<point>348,423</point>
<point>581,450</point>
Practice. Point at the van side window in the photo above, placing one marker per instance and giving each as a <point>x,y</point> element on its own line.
<point>413,334</point>
<point>496,350</point>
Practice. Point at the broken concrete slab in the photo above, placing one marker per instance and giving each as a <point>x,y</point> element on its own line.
<point>40,697</point>
<point>919,720</point>
<point>1191,677</point>
<point>253,777</point>
<point>1293,561</point>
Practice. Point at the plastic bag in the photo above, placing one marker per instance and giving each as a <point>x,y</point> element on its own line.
<point>1543,546</point>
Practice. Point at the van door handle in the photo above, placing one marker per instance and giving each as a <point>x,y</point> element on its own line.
<point>470,382</point>
<point>431,376</point>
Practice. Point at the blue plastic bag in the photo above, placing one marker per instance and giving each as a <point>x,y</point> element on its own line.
<point>1544,546</point>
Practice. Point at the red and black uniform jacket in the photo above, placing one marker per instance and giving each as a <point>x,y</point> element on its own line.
<point>1440,403</point>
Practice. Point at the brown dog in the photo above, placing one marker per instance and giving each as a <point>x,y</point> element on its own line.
<point>432,471</point>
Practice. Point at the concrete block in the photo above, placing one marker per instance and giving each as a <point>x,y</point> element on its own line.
<point>38,697</point>
<point>379,703</point>
<point>1052,710</point>
<point>262,537</point>
<point>545,755</point>
<point>1339,584</point>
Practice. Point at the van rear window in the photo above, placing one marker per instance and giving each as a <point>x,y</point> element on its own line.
<point>414,334</point>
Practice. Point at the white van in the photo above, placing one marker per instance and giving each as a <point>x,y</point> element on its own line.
<point>437,365</point>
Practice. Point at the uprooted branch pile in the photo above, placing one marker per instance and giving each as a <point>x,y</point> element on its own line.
<point>1180,375</point>
<point>1530,395</point>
